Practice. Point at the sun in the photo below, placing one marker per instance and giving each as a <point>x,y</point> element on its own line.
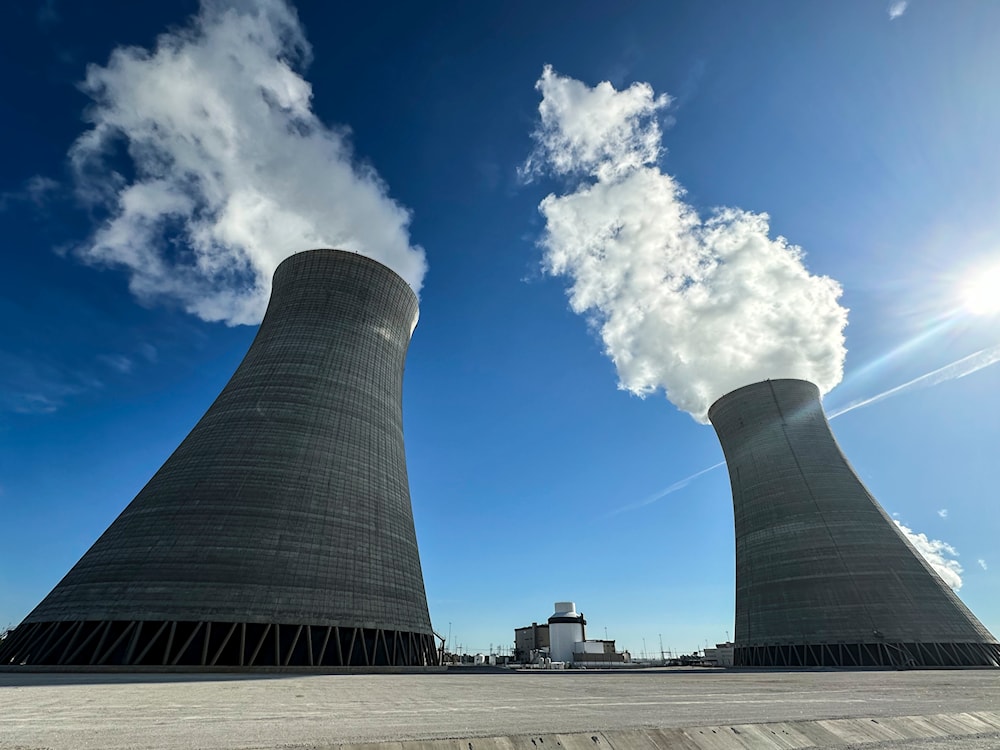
<point>980,295</point>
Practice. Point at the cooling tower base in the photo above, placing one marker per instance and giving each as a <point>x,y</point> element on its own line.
<point>140,644</point>
<point>859,655</point>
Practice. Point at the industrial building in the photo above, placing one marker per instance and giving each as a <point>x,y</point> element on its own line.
<point>530,640</point>
<point>563,640</point>
<point>280,532</point>
<point>823,575</point>
<point>720,656</point>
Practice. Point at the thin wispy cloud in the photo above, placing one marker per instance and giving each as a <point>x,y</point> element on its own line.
<point>34,386</point>
<point>34,402</point>
<point>232,169</point>
<point>36,190</point>
<point>939,555</point>
<point>695,306</point>
<point>679,485</point>
<point>149,352</point>
<point>47,13</point>
<point>957,369</point>
<point>982,563</point>
<point>897,9</point>
<point>118,362</point>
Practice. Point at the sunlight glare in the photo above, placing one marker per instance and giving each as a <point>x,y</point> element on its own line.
<point>981,295</point>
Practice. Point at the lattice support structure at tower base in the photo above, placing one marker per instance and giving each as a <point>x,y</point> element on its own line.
<point>164,643</point>
<point>859,655</point>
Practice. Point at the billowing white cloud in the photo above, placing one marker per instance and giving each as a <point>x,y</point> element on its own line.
<point>897,8</point>
<point>230,170</point>
<point>695,306</point>
<point>597,129</point>
<point>939,555</point>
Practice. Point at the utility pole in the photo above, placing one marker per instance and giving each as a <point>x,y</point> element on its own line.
<point>661,646</point>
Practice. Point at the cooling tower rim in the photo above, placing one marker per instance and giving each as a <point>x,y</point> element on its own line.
<point>744,390</point>
<point>300,257</point>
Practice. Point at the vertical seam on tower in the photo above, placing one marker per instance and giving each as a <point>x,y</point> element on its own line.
<point>819,512</point>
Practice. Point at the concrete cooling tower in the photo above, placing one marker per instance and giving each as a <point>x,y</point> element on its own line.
<point>280,532</point>
<point>823,575</point>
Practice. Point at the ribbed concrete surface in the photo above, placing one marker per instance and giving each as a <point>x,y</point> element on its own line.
<point>818,561</point>
<point>289,500</point>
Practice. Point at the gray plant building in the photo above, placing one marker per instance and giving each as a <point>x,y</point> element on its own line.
<point>280,532</point>
<point>823,575</point>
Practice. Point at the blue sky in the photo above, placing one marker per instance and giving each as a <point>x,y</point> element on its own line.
<point>867,133</point>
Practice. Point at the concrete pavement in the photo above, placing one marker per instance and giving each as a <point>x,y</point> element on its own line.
<point>235,712</point>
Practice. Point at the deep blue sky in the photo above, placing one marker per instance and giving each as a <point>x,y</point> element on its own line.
<point>871,143</point>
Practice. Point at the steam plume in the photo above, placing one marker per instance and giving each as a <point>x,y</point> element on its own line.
<point>698,307</point>
<point>231,171</point>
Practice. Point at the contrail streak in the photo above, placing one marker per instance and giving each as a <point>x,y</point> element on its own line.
<point>663,493</point>
<point>957,369</point>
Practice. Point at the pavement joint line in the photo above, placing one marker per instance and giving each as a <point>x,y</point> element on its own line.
<point>787,735</point>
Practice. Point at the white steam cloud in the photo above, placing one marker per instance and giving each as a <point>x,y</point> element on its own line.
<point>939,555</point>
<point>698,307</point>
<point>228,169</point>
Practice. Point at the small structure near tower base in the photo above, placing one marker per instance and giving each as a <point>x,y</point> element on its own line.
<point>566,628</point>
<point>563,641</point>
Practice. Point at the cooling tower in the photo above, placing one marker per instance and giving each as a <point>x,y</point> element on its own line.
<point>823,575</point>
<point>280,532</point>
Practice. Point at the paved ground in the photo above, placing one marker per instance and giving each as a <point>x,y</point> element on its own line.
<point>229,712</point>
